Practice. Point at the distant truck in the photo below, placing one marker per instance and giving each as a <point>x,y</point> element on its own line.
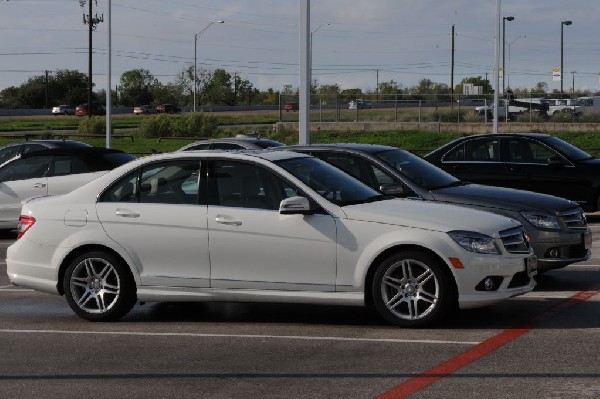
<point>583,105</point>
<point>359,103</point>
<point>515,108</point>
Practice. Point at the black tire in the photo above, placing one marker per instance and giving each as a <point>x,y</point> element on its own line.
<point>413,289</point>
<point>99,287</point>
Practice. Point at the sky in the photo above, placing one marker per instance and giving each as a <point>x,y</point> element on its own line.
<point>356,43</point>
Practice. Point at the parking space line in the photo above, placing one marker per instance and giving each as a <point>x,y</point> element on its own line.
<point>198,335</point>
<point>464,359</point>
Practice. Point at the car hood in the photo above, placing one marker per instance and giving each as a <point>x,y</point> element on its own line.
<point>502,198</point>
<point>430,216</point>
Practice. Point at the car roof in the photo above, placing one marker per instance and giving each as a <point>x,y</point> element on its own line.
<point>263,154</point>
<point>358,147</point>
<point>52,143</point>
<point>73,151</point>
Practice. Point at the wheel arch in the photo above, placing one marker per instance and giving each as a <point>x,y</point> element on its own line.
<point>399,249</point>
<point>82,250</point>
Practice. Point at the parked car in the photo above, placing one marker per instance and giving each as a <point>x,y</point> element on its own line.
<point>144,109</point>
<point>168,109</point>
<point>557,228</point>
<point>233,143</point>
<point>82,109</point>
<point>15,150</point>
<point>283,227</point>
<point>63,110</point>
<point>528,161</point>
<point>290,107</point>
<point>359,104</point>
<point>51,172</point>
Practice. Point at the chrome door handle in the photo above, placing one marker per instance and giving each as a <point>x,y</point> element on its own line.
<point>39,185</point>
<point>126,213</point>
<point>227,220</point>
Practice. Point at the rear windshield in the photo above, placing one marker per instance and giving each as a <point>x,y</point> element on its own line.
<point>268,143</point>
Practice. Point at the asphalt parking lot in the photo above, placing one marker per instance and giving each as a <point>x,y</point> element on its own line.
<point>545,344</point>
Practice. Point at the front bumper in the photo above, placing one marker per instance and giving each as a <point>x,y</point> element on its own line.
<point>559,249</point>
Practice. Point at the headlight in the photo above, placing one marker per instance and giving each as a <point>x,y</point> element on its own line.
<point>542,220</point>
<point>475,242</point>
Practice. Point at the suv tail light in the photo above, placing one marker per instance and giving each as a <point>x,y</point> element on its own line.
<point>25,223</point>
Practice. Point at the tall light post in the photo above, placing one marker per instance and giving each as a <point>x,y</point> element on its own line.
<point>311,50</point>
<point>510,44</point>
<point>562,43</point>
<point>196,35</point>
<point>504,19</point>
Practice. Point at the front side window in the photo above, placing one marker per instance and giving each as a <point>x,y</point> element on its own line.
<point>26,168</point>
<point>245,185</point>
<point>528,151</point>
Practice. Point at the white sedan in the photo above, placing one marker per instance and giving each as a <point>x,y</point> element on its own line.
<point>49,172</point>
<point>262,226</point>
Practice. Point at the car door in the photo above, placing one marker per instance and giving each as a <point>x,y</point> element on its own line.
<point>477,160</point>
<point>534,166</point>
<point>155,214</point>
<point>21,179</point>
<point>252,245</point>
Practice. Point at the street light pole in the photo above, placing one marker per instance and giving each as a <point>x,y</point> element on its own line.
<point>562,24</point>
<point>196,35</point>
<point>504,19</point>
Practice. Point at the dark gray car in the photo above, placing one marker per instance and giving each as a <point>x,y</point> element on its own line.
<point>557,227</point>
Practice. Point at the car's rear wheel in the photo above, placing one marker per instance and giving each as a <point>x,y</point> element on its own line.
<point>413,289</point>
<point>99,287</point>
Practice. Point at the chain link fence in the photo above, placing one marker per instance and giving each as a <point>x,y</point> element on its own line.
<point>419,108</point>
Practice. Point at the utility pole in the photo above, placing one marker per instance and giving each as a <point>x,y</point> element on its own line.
<point>91,21</point>
<point>452,72</point>
<point>46,102</point>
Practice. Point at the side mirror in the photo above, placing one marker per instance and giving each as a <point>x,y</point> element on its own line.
<point>396,190</point>
<point>295,206</point>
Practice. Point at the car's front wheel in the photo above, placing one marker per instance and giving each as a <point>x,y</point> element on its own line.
<point>413,289</point>
<point>99,287</point>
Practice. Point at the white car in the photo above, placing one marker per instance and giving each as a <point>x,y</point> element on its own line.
<point>262,227</point>
<point>50,172</point>
<point>63,110</point>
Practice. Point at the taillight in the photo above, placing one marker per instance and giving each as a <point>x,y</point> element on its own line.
<point>25,223</point>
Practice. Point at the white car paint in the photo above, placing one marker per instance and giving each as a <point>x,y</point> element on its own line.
<point>199,252</point>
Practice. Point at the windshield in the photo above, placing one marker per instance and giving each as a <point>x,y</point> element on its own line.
<point>581,102</point>
<point>569,150</point>
<point>417,169</point>
<point>330,182</point>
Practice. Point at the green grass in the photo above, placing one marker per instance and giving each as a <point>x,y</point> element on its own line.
<point>417,141</point>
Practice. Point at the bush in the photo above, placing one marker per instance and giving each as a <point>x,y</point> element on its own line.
<point>198,124</point>
<point>93,125</point>
<point>158,126</point>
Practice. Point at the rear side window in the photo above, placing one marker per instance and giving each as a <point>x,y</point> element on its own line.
<point>64,165</point>
<point>172,182</point>
<point>27,168</point>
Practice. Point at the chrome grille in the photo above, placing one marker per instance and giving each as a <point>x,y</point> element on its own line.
<point>515,241</point>
<point>574,219</point>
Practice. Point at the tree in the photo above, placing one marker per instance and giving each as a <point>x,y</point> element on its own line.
<point>219,89</point>
<point>136,87</point>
